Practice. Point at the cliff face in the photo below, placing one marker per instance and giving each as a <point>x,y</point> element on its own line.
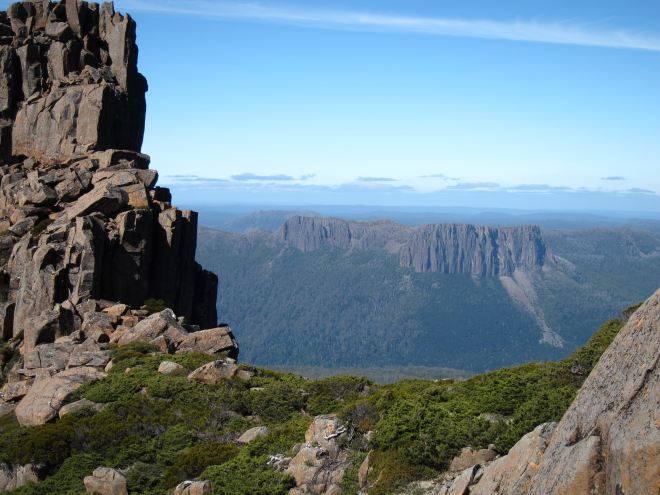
<point>474,250</point>
<point>69,82</point>
<point>443,248</point>
<point>309,234</point>
<point>81,217</point>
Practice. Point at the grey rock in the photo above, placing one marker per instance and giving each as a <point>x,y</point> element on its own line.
<point>44,400</point>
<point>212,341</point>
<point>159,324</point>
<point>193,488</point>
<point>607,442</point>
<point>253,434</point>
<point>14,477</point>
<point>214,372</point>
<point>106,481</point>
<point>79,405</point>
<point>170,368</point>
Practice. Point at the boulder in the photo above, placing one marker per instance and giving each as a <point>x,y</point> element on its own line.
<point>159,324</point>
<point>14,477</point>
<point>79,406</point>
<point>52,356</point>
<point>253,434</point>
<point>105,199</point>
<point>212,341</point>
<point>608,441</point>
<point>14,391</point>
<point>44,400</point>
<point>214,372</point>
<point>170,368</point>
<point>106,481</point>
<point>193,488</point>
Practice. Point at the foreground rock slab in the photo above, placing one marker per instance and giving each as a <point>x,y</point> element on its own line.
<point>46,397</point>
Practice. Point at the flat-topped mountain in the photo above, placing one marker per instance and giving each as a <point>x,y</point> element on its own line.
<point>442,248</point>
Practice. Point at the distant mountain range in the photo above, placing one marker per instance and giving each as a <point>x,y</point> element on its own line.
<point>382,294</point>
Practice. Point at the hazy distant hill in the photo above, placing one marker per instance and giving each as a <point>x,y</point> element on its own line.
<point>329,293</point>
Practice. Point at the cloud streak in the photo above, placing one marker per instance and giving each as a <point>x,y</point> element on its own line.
<point>559,32</point>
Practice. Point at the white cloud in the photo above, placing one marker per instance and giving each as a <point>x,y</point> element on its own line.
<point>559,32</point>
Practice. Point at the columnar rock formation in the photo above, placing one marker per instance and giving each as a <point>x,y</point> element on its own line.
<point>474,250</point>
<point>86,236</point>
<point>444,248</point>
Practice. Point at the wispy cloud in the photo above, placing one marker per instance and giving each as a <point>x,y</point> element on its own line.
<point>192,179</point>
<point>638,190</point>
<point>438,176</point>
<point>246,177</point>
<point>613,177</point>
<point>470,186</point>
<point>376,179</point>
<point>307,176</point>
<point>558,32</point>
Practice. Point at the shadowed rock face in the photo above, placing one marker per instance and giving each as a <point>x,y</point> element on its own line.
<point>444,248</point>
<point>81,217</point>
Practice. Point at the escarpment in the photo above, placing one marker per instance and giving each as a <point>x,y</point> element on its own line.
<point>443,248</point>
<point>477,250</point>
<point>90,246</point>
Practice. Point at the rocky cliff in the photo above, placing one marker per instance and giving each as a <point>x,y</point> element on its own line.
<point>308,233</point>
<point>475,250</point>
<point>444,248</point>
<point>86,236</point>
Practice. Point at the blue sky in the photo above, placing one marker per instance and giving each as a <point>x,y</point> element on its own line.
<point>509,103</point>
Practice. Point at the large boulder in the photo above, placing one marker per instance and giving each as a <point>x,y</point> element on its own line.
<point>193,488</point>
<point>14,477</point>
<point>163,324</point>
<point>106,481</point>
<point>609,441</point>
<point>213,341</point>
<point>45,398</point>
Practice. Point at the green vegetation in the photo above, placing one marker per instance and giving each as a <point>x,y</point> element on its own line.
<point>154,305</point>
<point>164,429</point>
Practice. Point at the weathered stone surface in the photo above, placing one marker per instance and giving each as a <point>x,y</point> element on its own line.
<point>212,341</point>
<point>44,400</point>
<point>79,405</point>
<point>512,473</point>
<point>193,488</point>
<point>12,478</point>
<point>468,458</point>
<point>214,372</point>
<point>170,369</point>
<point>52,356</point>
<point>319,465</point>
<point>159,324</point>
<point>253,434</point>
<point>106,481</point>
<point>14,391</point>
<point>609,441</point>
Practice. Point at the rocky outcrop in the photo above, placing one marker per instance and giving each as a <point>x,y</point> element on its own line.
<point>193,488</point>
<point>14,477</point>
<point>474,250</point>
<point>69,82</point>
<point>444,248</point>
<point>45,398</point>
<point>81,216</point>
<point>309,234</point>
<point>106,481</point>
<point>609,439</point>
<point>319,465</point>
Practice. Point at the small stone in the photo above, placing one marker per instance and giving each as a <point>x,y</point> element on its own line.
<point>170,368</point>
